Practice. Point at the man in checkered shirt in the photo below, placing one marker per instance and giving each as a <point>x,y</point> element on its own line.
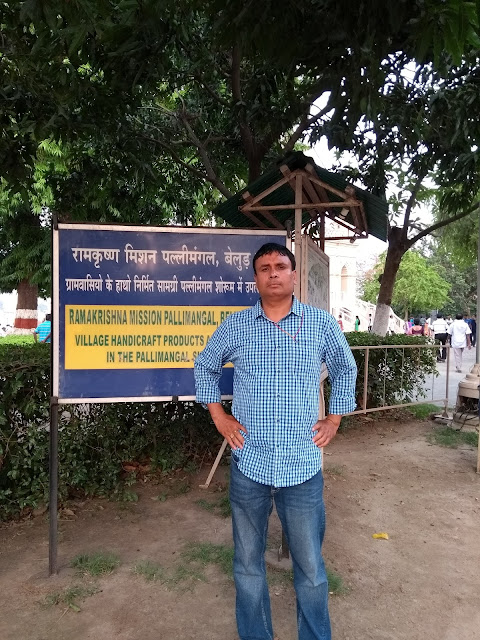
<point>278,347</point>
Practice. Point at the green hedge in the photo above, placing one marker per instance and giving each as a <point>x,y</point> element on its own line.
<point>96,441</point>
<point>395,376</point>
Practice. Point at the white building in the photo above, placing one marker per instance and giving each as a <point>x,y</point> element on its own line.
<point>344,256</point>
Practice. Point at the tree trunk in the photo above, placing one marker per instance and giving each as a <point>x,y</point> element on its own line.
<point>254,166</point>
<point>26,312</point>
<point>397,247</point>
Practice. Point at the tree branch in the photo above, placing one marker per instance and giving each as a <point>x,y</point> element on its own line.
<point>245,131</point>
<point>412,199</point>
<point>305,123</point>
<point>442,223</point>
<point>209,168</point>
<point>210,91</point>
<point>205,177</point>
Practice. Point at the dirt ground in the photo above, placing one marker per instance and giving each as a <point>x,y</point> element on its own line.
<point>424,582</point>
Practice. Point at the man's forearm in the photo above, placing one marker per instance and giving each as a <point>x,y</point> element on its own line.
<point>216,411</point>
<point>334,419</point>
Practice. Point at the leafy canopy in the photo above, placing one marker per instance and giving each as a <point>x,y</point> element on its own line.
<point>418,286</point>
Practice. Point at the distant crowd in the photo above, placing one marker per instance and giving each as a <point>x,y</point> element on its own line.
<point>432,327</point>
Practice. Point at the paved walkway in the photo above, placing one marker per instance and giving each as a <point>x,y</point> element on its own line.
<point>436,386</point>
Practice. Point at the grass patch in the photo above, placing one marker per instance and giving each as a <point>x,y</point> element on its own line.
<point>279,577</point>
<point>182,577</point>
<point>150,571</point>
<point>335,470</point>
<point>96,564</point>
<point>198,555</point>
<point>453,438</point>
<point>423,411</point>
<point>14,339</point>
<point>284,578</point>
<point>206,553</point>
<point>335,583</point>
<point>185,576</point>
<point>71,596</point>
<point>220,507</point>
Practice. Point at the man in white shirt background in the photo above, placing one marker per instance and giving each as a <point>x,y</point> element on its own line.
<point>459,332</point>
<point>440,331</point>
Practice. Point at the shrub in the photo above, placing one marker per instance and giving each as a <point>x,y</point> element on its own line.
<point>95,441</point>
<point>395,375</point>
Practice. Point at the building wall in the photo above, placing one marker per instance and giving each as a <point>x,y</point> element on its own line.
<point>343,286</point>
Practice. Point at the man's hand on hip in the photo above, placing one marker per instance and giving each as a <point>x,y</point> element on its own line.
<point>227,425</point>
<point>325,430</point>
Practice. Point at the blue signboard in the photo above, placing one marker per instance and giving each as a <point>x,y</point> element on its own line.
<point>133,306</point>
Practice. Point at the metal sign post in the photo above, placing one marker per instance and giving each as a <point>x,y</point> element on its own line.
<point>53,489</point>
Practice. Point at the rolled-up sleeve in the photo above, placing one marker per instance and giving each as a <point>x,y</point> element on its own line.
<point>342,371</point>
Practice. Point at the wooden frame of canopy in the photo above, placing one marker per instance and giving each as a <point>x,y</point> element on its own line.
<point>314,196</point>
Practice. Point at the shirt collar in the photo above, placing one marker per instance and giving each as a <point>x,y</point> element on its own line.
<point>296,309</point>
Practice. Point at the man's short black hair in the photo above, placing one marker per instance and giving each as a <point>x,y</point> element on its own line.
<point>273,247</point>
<point>439,315</point>
<point>459,316</point>
<point>48,317</point>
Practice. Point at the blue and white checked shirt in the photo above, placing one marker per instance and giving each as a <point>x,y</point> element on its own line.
<point>276,386</point>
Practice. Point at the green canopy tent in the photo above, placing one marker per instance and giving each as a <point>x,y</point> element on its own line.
<point>296,192</point>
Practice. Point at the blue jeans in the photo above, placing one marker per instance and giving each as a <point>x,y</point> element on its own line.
<point>302,514</point>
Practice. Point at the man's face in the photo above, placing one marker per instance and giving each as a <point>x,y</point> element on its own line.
<point>274,276</point>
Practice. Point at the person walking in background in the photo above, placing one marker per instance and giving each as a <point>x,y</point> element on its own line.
<point>417,328</point>
<point>43,332</point>
<point>370,323</point>
<point>440,331</point>
<point>357,323</point>
<point>459,333</point>
<point>340,321</point>
<point>473,329</point>
<point>278,347</point>
<point>391,325</point>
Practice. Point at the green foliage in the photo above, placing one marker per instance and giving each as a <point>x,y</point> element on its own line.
<point>205,553</point>
<point>17,339</point>
<point>95,564</point>
<point>453,438</point>
<point>221,506</point>
<point>94,440</point>
<point>336,585</point>
<point>460,274</point>
<point>418,285</point>
<point>151,571</point>
<point>70,596</point>
<point>395,375</point>
<point>147,112</point>
<point>460,243</point>
<point>423,411</point>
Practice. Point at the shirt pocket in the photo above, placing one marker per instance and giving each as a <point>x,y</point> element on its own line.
<point>305,359</point>
<point>253,357</point>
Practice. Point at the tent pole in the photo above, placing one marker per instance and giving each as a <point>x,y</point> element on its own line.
<point>298,230</point>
